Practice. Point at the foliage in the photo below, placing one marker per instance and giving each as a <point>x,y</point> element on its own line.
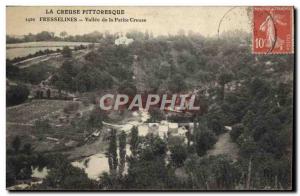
<point>147,169</point>
<point>178,155</point>
<point>95,119</point>
<point>12,71</point>
<point>16,94</point>
<point>122,152</point>
<point>156,115</point>
<point>112,153</point>
<point>203,137</point>
<point>20,160</point>
<point>134,141</point>
<point>16,144</point>
<point>66,52</point>
<point>263,129</point>
<point>252,94</point>
<point>35,73</point>
<point>63,176</point>
<point>212,173</point>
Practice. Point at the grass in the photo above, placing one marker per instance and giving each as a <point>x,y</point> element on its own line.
<point>36,109</point>
<point>24,49</point>
<point>36,73</point>
<point>21,121</point>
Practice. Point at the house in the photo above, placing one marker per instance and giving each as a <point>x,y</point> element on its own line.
<point>173,127</point>
<point>153,127</point>
<point>182,131</point>
<point>143,130</point>
<point>123,40</point>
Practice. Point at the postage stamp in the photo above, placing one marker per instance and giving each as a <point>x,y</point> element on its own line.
<point>273,31</point>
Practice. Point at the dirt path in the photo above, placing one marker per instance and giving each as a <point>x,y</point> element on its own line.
<point>224,145</point>
<point>47,57</point>
<point>88,149</point>
<point>28,62</point>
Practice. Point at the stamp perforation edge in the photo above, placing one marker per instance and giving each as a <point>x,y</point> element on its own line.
<point>292,30</point>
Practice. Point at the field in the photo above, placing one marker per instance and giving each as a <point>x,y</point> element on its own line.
<point>24,49</point>
<point>28,112</point>
<point>21,122</point>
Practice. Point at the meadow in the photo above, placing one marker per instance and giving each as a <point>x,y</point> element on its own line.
<point>26,48</point>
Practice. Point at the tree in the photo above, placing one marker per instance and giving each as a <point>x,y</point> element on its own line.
<point>177,83</point>
<point>188,136</point>
<point>147,174</point>
<point>236,131</point>
<point>134,141</point>
<point>212,173</point>
<point>63,176</point>
<point>204,141</point>
<point>95,119</point>
<point>204,138</point>
<point>217,119</point>
<point>178,155</point>
<point>48,93</point>
<point>156,115</point>
<point>16,144</point>
<point>44,36</point>
<point>107,181</point>
<point>147,169</point>
<point>66,52</point>
<point>10,174</point>
<point>12,71</point>
<point>63,34</point>
<point>25,172</point>
<point>27,149</point>
<point>223,79</point>
<point>61,85</point>
<point>122,152</point>
<point>112,152</point>
<point>16,95</point>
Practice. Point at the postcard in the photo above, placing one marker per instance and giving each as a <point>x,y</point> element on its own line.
<point>161,98</point>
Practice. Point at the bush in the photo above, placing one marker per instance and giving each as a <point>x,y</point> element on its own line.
<point>236,131</point>
<point>35,73</point>
<point>11,70</point>
<point>71,107</point>
<point>66,52</point>
<point>204,140</point>
<point>16,95</point>
<point>178,155</point>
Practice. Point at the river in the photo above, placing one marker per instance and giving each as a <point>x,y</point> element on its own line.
<point>97,163</point>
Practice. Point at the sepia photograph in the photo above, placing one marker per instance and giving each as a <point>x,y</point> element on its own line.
<point>150,98</point>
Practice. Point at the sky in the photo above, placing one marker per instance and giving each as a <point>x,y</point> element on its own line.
<point>160,20</point>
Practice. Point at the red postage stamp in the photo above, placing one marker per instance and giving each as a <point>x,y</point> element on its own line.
<point>273,30</point>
